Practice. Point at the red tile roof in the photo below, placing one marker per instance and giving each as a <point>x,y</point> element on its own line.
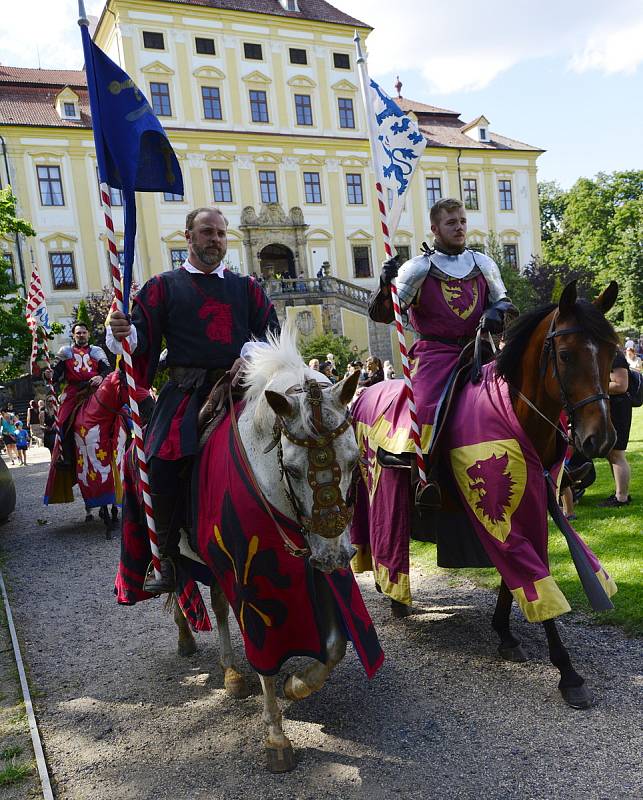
<point>418,108</point>
<point>444,131</point>
<point>48,77</point>
<point>318,10</point>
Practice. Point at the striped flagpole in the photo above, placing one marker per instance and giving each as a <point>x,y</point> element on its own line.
<point>131,383</point>
<point>399,326</point>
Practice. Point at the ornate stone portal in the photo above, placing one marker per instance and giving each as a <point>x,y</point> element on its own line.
<point>268,236</point>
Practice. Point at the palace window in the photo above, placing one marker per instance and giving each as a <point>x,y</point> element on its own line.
<point>120,255</point>
<point>312,187</point>
<point>258,106</point>
<point>470,192</point>
<point>170,197</point>
<point>211,102</point>
<point>63,275</point>
<point>204,47</point>
<point>361,261</point>
<point>6,263</point>
<point>510,254</point>
<point>268,186</point>
<point>221,186</point>
<point>504,192</point>
<point>69,110</point>
<point>178,257</point>
<point>160,94</point>
<point>341,61</point>
<point>298,56</point>
<point>50,186</point>
<point>403,253</point>
<point>433,191</point>
<point>354,189</point>
<point>346,114</point>
<point>252,51</point>
<point>115,195</point>
<point>153,41</point>
<point>303,109</point>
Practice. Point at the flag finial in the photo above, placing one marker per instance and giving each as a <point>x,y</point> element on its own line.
<point>398,86</point>
<point>358,45</point>
<point>82,16</point>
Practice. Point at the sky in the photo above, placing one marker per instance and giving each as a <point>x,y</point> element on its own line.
<point>562,75</point>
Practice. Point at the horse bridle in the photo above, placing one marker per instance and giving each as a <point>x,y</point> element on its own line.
<point>330,515</point>
<point>549,352</point>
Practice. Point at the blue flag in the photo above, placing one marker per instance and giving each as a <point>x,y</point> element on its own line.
<point>132,149</point>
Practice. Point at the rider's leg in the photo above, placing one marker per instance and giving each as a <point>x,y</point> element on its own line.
<point>166,491</point>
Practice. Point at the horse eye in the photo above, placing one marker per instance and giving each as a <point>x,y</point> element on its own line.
<point>565,357</point>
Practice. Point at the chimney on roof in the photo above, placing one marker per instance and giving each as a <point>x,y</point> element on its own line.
<point>398,86</point>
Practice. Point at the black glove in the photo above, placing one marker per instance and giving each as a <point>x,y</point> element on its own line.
<point>389,271</point>
<point>493,318</point>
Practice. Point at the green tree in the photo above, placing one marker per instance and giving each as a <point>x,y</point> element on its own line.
<point>518,286</point>
<point>9,222</point>
<point>552,201</point>
<point>82,315</point>
<point>340,346</point>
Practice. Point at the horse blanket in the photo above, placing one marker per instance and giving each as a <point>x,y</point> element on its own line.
<point>502,486</point>
<point>100,434</point>
<point>271,592</point>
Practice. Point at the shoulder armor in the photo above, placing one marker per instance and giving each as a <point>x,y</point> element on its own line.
<point>491,273</point>
<point>410,278</point>
<point>97,353</point>
<point>65,352</point>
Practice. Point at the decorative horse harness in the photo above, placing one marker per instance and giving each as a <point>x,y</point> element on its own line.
<point>330,514</point>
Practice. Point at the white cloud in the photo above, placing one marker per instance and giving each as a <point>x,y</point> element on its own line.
<point>464,46</point>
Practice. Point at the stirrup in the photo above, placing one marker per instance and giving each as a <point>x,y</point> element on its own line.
<point>428,496</point>
<point>393,460</point>
<point>166,583</point>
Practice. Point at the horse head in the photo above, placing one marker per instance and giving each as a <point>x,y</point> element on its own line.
<point>305,467</point>
<point>579,348</point>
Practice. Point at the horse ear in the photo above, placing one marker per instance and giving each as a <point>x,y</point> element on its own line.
<point>280,404</point>
<point>344,390</point>
<point>607,297</point>
<point>568,297</point>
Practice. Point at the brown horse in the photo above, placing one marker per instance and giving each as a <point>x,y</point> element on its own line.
<point>555,358</point>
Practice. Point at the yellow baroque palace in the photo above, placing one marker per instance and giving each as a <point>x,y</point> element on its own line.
<point>261,101</point>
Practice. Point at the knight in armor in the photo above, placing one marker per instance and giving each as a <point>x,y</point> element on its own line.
<point>80,366</point>
<point>447,292</point>
<point>203,314</point>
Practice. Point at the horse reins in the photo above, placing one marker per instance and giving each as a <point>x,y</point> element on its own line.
<point>549,353</point>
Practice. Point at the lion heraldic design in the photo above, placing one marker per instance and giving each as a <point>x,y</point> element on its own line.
<point>494,486</point>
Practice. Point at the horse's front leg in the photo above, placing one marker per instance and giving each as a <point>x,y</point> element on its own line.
<point>314,675</point>
<point>572,685</point>
<point>509,647</point>
<point>104,515</point>
<point>279,753</point>
<point>234,682</point>
<point>187,643</point>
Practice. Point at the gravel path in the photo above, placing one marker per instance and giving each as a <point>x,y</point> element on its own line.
<point>122,716</point>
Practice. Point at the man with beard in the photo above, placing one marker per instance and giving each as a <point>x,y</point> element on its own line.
<point>446,292</point>
<point>79,366</point>
<point>203,314</point>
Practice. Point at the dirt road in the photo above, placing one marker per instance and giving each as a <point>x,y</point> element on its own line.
<point>123,716</point>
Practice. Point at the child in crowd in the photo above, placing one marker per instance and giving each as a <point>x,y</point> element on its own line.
<point>22,443</point>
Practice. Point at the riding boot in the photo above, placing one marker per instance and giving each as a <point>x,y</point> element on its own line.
<point>164,507</point>
<point>428,496</point>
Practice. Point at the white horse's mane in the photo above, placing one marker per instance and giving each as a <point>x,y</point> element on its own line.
<point>278,365</point>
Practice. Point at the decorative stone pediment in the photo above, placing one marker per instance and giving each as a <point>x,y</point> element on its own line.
<point>57,240</point>
<point>354,161</point>
<point>312,161</point>
<point>266,158</point>
<point>272,215</point>
<point>302,82</point>
<point>403,236</point>
<point>178,237</point>
<point>157,68</point>
<point>234,236</point>
<point>344,86</point>
<point>256,77</point>
<point>209,73</point>
<point>220,155</point>
<point>46,156</point>
<point>319,234</point>
<point>359,235</point>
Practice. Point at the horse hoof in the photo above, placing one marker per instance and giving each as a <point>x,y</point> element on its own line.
<point>186,647</point>
<point>378,588</point>
<point>400,610</point>
<point>295,689</point>
<point>108,534</point>
<point>235,684</point>
<point>89,517</point>
<point>515,654</point>
<point>577,696</point>
<point>280,759</point>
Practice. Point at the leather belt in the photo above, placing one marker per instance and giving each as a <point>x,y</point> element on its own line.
<point>192,377</point>
<point>461,341</point>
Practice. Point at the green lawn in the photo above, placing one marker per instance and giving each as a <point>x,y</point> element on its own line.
<point>615,535</point>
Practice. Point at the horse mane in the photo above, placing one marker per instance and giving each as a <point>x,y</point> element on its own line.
<point>279,364</point>
<point>588,316</point>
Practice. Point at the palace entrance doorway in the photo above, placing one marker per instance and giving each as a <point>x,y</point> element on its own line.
<point>277,259</point>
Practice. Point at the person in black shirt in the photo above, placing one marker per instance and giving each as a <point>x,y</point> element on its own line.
<point>621,413</point>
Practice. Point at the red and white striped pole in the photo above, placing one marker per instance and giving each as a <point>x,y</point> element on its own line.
<point>131,383</point>
<point>399,326</point>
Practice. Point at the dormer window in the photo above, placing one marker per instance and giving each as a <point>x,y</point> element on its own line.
<point>483,134</point>
<point>68,104</point>
<point>289,5</point>
<point>69,110</point>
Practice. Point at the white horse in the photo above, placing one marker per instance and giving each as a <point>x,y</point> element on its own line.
<point>292,414</point>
